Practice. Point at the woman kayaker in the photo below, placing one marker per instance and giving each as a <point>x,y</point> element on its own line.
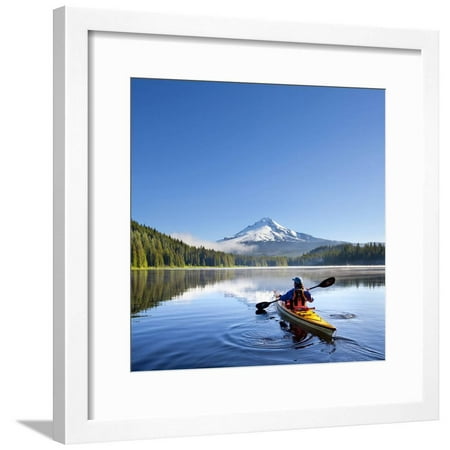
<point>297,297</point>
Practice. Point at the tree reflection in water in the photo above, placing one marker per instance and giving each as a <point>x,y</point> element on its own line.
<point>149,288</point>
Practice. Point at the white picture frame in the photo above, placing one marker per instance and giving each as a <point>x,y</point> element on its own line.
<point>74,177</point>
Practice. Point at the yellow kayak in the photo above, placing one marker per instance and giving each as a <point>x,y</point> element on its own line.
<point>308,319</point>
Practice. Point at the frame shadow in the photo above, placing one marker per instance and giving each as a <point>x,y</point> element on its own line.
<point>43,427</point>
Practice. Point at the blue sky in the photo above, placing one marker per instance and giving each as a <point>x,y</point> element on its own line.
<point>210,158</point>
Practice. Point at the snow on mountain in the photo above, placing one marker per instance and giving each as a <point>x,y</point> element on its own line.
<point>266,230</point>
<point>267,237</point>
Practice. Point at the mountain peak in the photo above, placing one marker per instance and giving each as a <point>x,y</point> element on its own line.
<point>267,230</point>
<point>266,221</point>
<point>267,237</point>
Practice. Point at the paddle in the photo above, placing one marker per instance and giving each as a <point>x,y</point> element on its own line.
<point>323,284</point>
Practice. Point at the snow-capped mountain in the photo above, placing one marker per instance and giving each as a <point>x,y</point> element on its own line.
<point>267,237</point>
<point>266,230</point>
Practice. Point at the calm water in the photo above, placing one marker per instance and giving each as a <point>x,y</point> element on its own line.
<point>182,319</point>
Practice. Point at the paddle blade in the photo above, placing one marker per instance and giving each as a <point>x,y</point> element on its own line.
<point>327,282</point>
<point>263,305</point>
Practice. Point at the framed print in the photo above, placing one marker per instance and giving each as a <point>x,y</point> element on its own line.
<point>201,163</point>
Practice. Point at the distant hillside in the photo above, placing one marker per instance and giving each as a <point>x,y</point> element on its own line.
<point>150,248</point>
<point>345,254</point>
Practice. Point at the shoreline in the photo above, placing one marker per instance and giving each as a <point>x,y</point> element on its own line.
<point>378,268</point>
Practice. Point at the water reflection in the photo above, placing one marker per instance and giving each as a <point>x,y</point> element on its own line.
<point>149,288</point>
<point>366,282</point>
<point>299,335</point>
<point>205,318</point>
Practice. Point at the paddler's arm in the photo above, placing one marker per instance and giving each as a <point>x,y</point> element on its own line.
<point>287,296</point>
<point>308,296</point>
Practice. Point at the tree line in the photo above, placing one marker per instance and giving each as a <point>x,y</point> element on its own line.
<point>345,254</point>
<point>150,248</point>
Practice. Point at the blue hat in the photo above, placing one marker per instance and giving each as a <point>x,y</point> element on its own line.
<point>297,280</point>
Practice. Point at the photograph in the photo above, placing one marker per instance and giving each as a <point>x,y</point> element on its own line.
<point>257,232</point>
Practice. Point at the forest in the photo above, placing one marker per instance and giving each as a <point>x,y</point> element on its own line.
<point>152,249</point>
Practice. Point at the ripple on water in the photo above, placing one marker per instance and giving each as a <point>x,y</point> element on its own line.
<point>343,315</point>
<point>356,351</point>
<point>270,334</point>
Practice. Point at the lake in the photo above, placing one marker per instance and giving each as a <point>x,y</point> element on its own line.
<point>206,318</point>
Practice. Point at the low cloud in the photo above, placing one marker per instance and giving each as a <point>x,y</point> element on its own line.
<point>225,246</point>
